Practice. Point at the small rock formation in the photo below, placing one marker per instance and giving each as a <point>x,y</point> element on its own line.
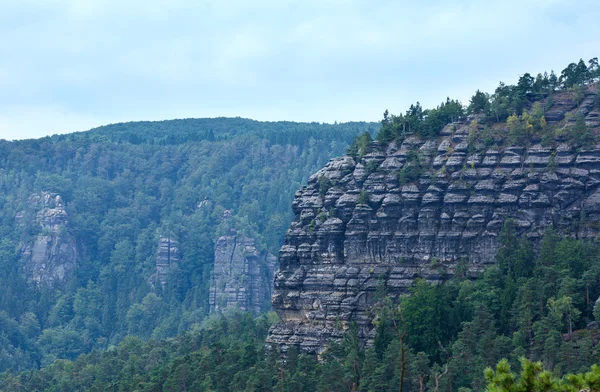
<point>167,259</point>
<point>414,210</point>
<point>242,277</point>
<point>50,259</point>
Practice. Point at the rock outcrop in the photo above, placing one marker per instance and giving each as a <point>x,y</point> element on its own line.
<point>414,210</point>
<point>50,258</point>
<point>242,276</point>
<point>167,259</point>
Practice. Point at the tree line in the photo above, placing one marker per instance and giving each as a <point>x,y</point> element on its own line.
<point>507,100</point>
<point>124,186</point>
<point>463,335</point>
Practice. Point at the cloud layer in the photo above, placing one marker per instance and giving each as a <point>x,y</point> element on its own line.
<point>69,65</point>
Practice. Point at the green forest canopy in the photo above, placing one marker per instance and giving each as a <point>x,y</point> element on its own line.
<point>506,101</point>
<point>125,184</point>
<point>440,338</point>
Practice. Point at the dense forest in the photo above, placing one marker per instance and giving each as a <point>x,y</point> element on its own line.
<point>521,108</point>
<point>440,338</point>
<point>123,186</point>
<point>126,184</point>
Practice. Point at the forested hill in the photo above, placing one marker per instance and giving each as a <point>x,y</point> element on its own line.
<point>81,216</point>
<point>222,128</point>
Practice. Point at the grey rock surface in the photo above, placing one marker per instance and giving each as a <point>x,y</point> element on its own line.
<point>51,257</point>
<point>167,259</point>
<point>242,276</point>
<point>338,251</point>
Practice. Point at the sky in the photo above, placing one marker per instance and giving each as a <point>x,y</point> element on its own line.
<point>71,65</point>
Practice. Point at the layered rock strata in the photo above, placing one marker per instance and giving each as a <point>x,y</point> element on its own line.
<point>242,276</point>
<point>167,259</point>
<point>51,257</point>
<point>414,210</point>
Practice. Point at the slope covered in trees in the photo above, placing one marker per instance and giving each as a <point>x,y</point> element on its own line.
<point>440,338</point>
<point>523,108</point>
<point>539,304</point>
<point>123,186</point>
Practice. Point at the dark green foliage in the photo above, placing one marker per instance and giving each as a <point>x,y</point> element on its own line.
<point>444,335</point>
<point>361,145</point>
<point>386,134</point>
<point>512,99</point>
<point>426,123</point>
<point>515,257</point>
<point>125,185</point>
<point>527,306</point>
<point>372,166</point>
<point>480,103</point>
<point>575,74</point>
<point>224,354</point>
<point>581,134</point>
<point>534,378</point>
<point>428,315</point>
<point>324,185</point>
<point>507,100</point>
<point>409,173</point>
<point>363,197</point>
<point>412,169</point>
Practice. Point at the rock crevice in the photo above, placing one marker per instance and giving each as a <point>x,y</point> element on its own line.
<point>242,276</point>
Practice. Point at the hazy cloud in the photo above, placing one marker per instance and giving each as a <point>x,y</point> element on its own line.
<point>69,65</point>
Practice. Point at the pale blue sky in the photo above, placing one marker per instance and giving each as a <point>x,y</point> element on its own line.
<point>70,65</point>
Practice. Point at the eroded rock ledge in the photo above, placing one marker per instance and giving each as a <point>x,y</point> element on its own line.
<point>50,258</point>
<point>167,260</point>
<point>242,276</point>
<point>360,222</point>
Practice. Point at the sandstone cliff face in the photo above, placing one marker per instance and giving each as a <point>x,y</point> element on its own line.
<point>51,258</point>
<point>360,223</point>
<point>167,259</point>
<point>242,277</point>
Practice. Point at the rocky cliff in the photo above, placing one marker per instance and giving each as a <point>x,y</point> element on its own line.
<point>167,259</point>
<point>413,209</point>
<point>242,277</point>
<point>51,257</point>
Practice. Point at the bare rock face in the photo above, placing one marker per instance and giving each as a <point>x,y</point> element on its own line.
<point>242,277</point>
<point>361,223</point>
<point>167,259</point>
<point>51,258</point>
